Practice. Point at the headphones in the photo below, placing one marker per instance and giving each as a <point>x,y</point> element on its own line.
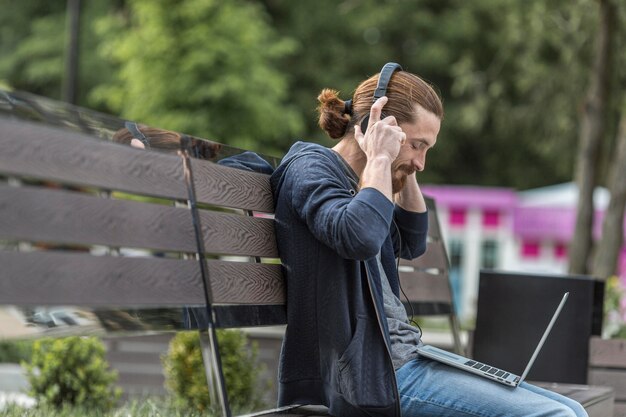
<point>381,88</point>
<point>137,134</point>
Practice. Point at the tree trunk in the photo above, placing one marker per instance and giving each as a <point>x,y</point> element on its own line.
<point>70,79</point>
<point>592,131</point>
<point>607,254</point>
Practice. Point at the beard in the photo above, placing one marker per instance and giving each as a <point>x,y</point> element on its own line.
<point>399,175</point>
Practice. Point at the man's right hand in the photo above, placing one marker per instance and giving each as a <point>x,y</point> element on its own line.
<point>382,138</point>
<point>381,145</point>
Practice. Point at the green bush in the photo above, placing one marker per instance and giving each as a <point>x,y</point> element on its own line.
<point>15,351</point>
<point>71,372</point>
<point>186,378</point>
<point>614,325</point>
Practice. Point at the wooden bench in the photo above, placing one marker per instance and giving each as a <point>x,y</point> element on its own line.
<point>425,281</point>
<point>607,366</point>
<point>74,234</point>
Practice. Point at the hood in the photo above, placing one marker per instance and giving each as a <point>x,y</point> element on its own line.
<point>300,149</point>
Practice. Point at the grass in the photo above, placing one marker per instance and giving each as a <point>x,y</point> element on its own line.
<point>145,408</point>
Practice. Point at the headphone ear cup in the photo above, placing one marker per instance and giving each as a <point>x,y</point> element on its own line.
<point>364,123</point>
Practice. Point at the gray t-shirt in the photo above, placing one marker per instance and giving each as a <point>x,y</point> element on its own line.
<point>404,338</point>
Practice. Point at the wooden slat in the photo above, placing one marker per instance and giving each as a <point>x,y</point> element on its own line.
<point>434,257</point>
<point>607,353</point>
<point>246,283</point>
<point>51,278</point>
<point>434,231</point>
<point>56,278</point>
<point>231,187</point>
<point>34,150</point>
<point>229,316</point>
<point>610,378</point>
<point>58,216</point>
<point>428,308</point>
<point>238,235</point>
<point>422,286</point>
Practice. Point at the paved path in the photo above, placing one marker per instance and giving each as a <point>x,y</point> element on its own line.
<point>13,384</point>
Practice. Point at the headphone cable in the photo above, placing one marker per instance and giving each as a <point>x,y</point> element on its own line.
<point>411,320</point>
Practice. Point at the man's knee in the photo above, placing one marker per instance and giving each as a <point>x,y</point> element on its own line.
<point>562,410</point>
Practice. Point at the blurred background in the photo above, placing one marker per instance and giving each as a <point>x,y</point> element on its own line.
<point>529,171</point>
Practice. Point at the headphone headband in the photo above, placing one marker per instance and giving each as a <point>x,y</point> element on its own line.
<point>383,79</point>
<point>381,88</point>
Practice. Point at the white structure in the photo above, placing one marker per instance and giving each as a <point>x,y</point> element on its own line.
<point>498,228</point>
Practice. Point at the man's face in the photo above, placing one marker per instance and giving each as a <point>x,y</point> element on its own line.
<point>421,135</point>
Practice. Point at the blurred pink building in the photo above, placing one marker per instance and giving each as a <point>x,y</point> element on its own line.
<point>499,228</point>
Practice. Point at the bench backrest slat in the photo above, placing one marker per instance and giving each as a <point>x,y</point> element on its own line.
<point>55,278</point>
<point>232,234</point>
<point>60,216</point>
<point>433,259</point>
<point>74,218</point>
<point>424,287</point>
<point>44,278</point>
<point>32,150</point>
<point>246,283</point>
<point>231,187</point>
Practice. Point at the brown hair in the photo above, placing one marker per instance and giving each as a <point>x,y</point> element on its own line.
<point>168,141</point>
<point>404,91</point>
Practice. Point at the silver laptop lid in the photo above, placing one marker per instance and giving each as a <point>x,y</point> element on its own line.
<point>544,337</point>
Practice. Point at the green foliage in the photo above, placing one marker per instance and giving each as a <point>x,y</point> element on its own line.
<point>519,94</point>
<point>186,378</point>
<point>71,372</point>
<point>204,67</point>
<point>513,74</point>
<point>15,351</point>
<point>32,47</point>
<point>614,325</point>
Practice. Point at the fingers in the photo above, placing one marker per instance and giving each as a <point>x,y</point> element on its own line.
<point>136,143</point>
<point>376,111</point>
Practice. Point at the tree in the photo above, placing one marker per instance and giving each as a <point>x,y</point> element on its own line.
<point>247,73</point>
<point>204,67</point>
<point>32,43</point>
<point>592,132</point>
<point>607,253</point>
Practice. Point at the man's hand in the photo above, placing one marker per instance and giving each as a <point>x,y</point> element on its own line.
<point>382,138</point>
<point>381,145</point>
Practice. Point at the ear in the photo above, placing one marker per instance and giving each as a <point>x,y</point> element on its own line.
<point>364,124</point>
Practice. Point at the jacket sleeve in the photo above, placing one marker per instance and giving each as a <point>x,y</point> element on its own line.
<point>409,231</point>
<point>354,226</point>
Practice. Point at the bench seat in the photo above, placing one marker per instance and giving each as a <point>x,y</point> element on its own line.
<point>597,400</point>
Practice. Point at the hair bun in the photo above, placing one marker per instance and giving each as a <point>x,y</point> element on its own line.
<point>333,117</point>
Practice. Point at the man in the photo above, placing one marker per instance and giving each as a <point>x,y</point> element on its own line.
<point>342,217</point>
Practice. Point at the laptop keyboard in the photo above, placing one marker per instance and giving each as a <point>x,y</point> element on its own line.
<point>488,369</point>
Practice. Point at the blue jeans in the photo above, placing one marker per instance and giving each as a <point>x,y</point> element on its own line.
<point>430,388</point>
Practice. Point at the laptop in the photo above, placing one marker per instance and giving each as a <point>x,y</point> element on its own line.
<point>486,371</point>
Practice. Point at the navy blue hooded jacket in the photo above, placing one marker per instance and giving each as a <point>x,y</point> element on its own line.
<point>336,347</point>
